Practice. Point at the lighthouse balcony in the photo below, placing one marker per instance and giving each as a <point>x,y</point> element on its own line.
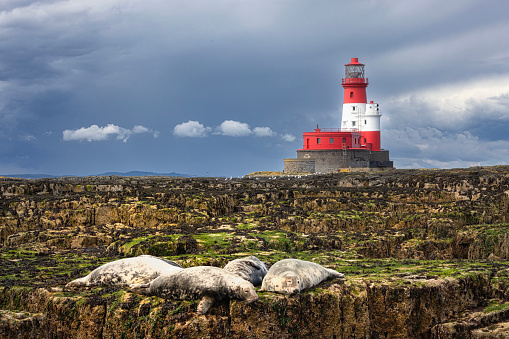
<point>336,130</point>
<point>354,81</point>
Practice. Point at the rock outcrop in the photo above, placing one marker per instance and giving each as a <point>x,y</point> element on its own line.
<point>425,253</point>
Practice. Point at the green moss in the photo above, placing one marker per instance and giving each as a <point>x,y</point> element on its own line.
<point>495,305</point>
<point>246,226</point>
<point>127,246</point>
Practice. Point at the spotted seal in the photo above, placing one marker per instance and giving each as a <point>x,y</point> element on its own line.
<point>123,272</point>
<point>290,276</point>
<point>248,268</point>
<point>207,283</point>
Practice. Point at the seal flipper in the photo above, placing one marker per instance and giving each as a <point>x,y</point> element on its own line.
<point>204,305</point>
<point>140,288</point>
<point>335,274</point>
<point>80,282</point>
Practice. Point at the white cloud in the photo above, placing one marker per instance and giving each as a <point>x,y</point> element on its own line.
<point>191,129</point>
<point>263,132</point>
<point>140,129</point>
<point>233,129</point>
<point>96,133</point>
<point>229,128</point>
<point>288,137</point>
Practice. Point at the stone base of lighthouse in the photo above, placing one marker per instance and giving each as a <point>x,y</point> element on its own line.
<point>329,161</point>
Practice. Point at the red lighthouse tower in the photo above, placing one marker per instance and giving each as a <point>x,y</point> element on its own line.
<point>356,145</point>
<point>359,115</point>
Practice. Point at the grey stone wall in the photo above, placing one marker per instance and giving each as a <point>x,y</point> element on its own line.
<point>327,161</point>
<point>299,166</point>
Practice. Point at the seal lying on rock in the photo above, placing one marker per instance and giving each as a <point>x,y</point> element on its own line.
<point>207,283</point>
<point>290,276</point>
<point>141,269</point>
<point>249,268</point>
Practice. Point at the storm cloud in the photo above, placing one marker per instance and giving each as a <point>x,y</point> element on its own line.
<point>228,87</point>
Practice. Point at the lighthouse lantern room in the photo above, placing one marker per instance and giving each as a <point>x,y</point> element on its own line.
<point>356,144</point>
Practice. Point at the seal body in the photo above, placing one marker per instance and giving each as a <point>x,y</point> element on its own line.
<point>207,283</point>
<point>123,272</point>
<point>248,268</point>
<point>290,276</point>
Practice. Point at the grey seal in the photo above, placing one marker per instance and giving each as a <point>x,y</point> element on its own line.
<point>123,272</point>
<point>207,283</point>
<point>248,268</point>
<point>290,276</point>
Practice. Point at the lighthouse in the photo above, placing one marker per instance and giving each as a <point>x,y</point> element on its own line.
<point>355,145</point>
<point>359,115</point>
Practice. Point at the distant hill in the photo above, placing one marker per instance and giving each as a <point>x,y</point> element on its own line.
<point>123,174</point>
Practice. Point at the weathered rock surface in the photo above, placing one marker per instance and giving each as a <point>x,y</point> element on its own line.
<point>425,253</point>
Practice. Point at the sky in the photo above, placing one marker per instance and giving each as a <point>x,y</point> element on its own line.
<point>227,87</point>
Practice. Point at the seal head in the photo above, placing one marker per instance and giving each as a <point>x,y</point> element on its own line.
<point>248,268</point>
<point>291,276</point>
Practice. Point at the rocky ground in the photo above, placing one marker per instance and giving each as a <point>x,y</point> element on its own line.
<point>425,253</point>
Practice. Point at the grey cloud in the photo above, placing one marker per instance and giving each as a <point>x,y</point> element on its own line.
<point>431,146</point>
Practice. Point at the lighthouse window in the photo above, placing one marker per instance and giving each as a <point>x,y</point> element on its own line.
<point>365,122</point>
<point>351,94</point>
<point>331,140</point>
<point>353,123</point>
<point>318,141</point>
<point>353,108</point>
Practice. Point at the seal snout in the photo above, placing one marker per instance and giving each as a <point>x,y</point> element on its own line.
<point>248,294</point>
<point>252,298</point>
<point>290,284</point>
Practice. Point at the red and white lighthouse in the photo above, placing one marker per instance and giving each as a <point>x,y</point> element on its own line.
<point>353,146</point>
<point>359,115</point>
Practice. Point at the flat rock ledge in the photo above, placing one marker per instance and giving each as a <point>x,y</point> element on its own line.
<point>406,308</point>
